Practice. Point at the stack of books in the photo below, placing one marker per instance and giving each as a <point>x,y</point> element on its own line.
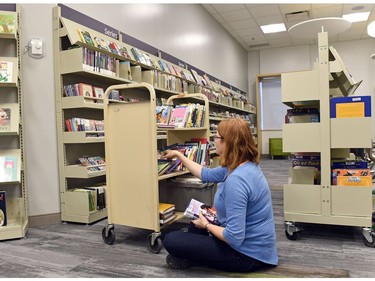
<point>167,213</point>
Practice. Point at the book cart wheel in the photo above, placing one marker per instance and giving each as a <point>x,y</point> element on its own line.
<point>154,242</point>
<point>368,237</point>
<point>108,234</point>
<point>291,231</point>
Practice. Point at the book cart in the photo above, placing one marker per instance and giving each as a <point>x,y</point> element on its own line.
<point>131,157</point>
<point>323,203</point>
<point>13,189</point>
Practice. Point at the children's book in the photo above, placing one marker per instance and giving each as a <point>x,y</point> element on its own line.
<point>5,119</point>
<point>178,116</point>
<point>6,71</point>
<point>162,114</point>
<point>7,23</point>
<point>86,37</point>
<point>8,168</point>
<point>101,43</point>
<point>195,206</point>
<point>3,209</point>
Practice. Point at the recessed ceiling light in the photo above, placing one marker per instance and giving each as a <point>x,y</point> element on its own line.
<point>273,28</point>
<point>356,17</point>
<point>371,29</point>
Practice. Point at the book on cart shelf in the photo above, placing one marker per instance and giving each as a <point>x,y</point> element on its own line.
<point>163,114</point>
<point>165,208</point>
<point>195,207</point>
<point>6,71</point>
<point>7,23</point>
<point>166,213</point>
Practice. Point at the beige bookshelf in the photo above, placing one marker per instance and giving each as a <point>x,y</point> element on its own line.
<point>131,157</point>
<point>332,137</point>
<point>11,136</point>
<point>70,69</point>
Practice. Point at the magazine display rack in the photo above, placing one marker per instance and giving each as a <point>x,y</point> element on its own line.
<point>324,203</point>
<point>131,157</point>
<point>13,189</point>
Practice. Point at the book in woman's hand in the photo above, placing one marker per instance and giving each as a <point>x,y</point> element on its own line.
<point>195,206</point>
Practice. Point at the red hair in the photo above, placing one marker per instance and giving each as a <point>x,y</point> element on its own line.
<point>239,143</point>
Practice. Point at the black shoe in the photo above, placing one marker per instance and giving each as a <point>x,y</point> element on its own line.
<point>177,263</point>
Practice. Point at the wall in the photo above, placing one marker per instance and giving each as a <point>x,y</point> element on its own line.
<point>163,26</point>
<point>359,63</point>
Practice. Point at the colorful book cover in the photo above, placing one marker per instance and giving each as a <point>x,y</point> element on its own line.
<point>3,209</point>
<point>101,43</point>
<point>178,116</point>
<point>86,37</point>
<point>8,168</point>
<point>6,71</point>
<point>5,119</point>
<point>162,114</point>
<point>195,206</point>
<point>7,23</point>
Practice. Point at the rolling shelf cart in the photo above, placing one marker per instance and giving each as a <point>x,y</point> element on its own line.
<point>324,203</point>
<point>131,158</point>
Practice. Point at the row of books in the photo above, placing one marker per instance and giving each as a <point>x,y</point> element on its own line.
<point>5,114</point>
<point>8,169</point>
<point>180,116</point>
<point>103,44</point>
<point>96,196</point>
<point>82,89</point>
<point>76,124</point>
<point>196,149</point>
<point>302,115</point>
<point>6,71</point>
<point>168,82</point>
<point>142,57</point>
<point>99,62</point>
<point>351,173</point>
<point>91,160</point>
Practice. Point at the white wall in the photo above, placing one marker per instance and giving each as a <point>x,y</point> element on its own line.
<point>355,54</point>
<point>219,55</point>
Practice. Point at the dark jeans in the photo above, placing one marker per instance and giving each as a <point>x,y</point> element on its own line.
<point>201,249</point>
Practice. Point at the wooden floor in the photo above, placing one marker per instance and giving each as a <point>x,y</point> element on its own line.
<point>76,250</point>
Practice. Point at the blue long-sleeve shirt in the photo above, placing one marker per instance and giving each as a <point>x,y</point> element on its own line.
<point>244,208</point>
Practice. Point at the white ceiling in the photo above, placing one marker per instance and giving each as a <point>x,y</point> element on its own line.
<point>243,22</point>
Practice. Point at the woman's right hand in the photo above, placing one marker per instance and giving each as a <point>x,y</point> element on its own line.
<point>169,154</point>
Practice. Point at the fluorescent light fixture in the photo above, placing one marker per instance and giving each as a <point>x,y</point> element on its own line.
<point>356,17</point>
<point>273,28</point>
<point>371,29</point>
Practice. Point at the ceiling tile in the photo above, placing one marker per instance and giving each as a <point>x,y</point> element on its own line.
<point>291,8</point>
<point>227,7</point>
<point>330,11</point>
<point>265,10</point>
<point>242,24</point>
<point>270,20</point>
<point>237,15</point>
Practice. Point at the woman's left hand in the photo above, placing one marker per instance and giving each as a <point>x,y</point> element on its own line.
<point>201,221</point>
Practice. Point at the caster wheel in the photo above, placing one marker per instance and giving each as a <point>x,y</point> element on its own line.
<point>367,243</point>
<point>111,236</point>
<point>293,237</point>
<point>157,244</point>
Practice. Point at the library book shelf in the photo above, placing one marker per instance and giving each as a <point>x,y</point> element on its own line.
<point>13,189</point>
<point>323,202</point>
<point>79,64</point>
<point>131,157</point>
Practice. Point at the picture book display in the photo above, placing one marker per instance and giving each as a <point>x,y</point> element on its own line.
<point>195,206</point>
<point>8,168</point>
<point>6,71</point>
<point>7,23</point>
<point>3,209</point>
<point>5,119</point>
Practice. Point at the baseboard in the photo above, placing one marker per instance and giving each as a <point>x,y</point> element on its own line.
<point>42,220</point>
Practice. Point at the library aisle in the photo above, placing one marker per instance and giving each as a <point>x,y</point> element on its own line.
<point>75,250</point>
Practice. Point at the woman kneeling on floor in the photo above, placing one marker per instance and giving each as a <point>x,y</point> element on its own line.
<point>245,238</point>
